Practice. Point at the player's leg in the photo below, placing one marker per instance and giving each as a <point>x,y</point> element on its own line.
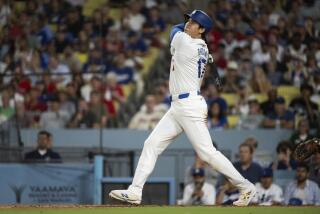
<point>197,132</point>
<point>155,144</point>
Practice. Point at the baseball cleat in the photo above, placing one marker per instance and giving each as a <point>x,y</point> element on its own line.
<point>246,196</point>
<point>125,196</point>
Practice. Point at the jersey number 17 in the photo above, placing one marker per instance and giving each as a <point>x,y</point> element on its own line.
<point>201,63</point>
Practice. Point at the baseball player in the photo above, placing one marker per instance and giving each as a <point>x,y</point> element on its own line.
<point>188,112</point>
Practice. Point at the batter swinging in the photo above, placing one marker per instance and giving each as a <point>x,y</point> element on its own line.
<point>188,112</point>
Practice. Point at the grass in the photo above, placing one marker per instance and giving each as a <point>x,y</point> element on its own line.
<point>158,210</point>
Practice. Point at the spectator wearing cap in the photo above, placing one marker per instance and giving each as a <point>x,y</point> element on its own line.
<point>303,105</point>
<point>268,193</point>
<point>302,191</point>
<point>254,118</point>
<point>281,117</point>
<point>246,166</point>
<point>232,79</point>
<point>211,175</point>
<point>199,192</point>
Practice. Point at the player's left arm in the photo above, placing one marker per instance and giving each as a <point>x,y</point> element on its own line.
<point>175,29</point>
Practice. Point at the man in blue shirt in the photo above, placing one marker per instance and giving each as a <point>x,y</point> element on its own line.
<point>281,117</point>
<point>247,168</point>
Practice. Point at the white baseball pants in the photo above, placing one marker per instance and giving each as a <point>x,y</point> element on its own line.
<point>188,115</point>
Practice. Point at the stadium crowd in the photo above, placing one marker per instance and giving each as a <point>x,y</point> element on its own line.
<point>64,68</point>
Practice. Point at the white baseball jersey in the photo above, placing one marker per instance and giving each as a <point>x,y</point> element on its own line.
<point>186,114</point>
<point>189,56</point>
<point>268,196</point>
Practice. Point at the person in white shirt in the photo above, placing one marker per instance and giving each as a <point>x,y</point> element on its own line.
<point>188,112</point>
<point>268,193</point>
<point>199,192</point>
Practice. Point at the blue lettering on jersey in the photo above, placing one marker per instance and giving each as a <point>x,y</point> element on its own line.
<point>202,52</point>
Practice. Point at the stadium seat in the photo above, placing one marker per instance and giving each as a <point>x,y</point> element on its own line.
<point>233,120</point>
<point>115,13</point>
<point>288,93</point>
<point>90,6</point>
<point>261,97</point>
<point>148,61</point>
<point>230,98</point>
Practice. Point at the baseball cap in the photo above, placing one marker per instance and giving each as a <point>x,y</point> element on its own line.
<point>267,172</point>
<point>198,172</point>
<point>232,65</point>
<point>280,100</point>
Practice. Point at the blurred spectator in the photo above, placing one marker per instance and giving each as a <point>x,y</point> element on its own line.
<point>268,105</point>
<point>232,79</point>
<point>154,25</point>
<point>211,175</point>
<point>43,152</point>
<point>213,95</point>
<point>132,17</point>
<point>98,109</point>
<point>247,168</point>
<point>54,117</point>
<point>243,96</point>
<point>135,45</point>
<point>94,83</point>
<point>284,160</point>
<point>302,191</point>
<point>83,118</point>
<point>314,174</point>
<point>199,192</point>
<point>297,74</point>
<point>216,117</point>
<point>65,104</point>
<point>6,111</point>
<point>227,193</point>
<point>230,42</point>
<point>113,94</point>
<point>22,118</point>
<point>281,118</point>
<point>302,133</point>
<point>148,116</point>
<point>254,118</point>
<point>259,82</point>
<point>268,193</point>
<point>303,105</point>
<point>125,74</point>
<point>60,72</point>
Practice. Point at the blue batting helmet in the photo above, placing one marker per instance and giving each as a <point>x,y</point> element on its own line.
<point>201,18</point>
